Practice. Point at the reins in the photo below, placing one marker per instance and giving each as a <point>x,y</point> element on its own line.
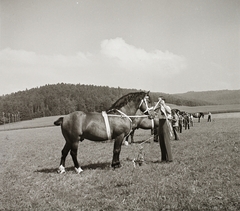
<point>146,140</point>
<point>140,157</point>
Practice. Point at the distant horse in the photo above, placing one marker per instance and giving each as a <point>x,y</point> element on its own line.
<point>198,115</point>
<point>78,126</point>
<point>177,111</point>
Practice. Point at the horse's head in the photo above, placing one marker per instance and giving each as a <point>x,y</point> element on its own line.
<point>145,106</point>
<point>130,103</point>
<point>202,115</point>
<point>144,103</point>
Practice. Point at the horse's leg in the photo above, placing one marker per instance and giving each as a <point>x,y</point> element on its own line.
<point>126,142</point>
<point>116,151</point>
<point>132,135</point>
<point>65,151</point>
<point>74,149</point>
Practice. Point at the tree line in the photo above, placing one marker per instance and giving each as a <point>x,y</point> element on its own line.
<point>61,99</point>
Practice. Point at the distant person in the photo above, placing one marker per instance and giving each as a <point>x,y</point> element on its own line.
<point>164,131</point>
<point>186,121</point>
<point>180,123</point>
<point>175,121</point>
<point>209,117</point>
<point>191,120</point>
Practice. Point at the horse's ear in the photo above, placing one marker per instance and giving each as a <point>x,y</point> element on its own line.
<point>148,93</point>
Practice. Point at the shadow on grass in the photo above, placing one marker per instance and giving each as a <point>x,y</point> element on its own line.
<point>141,142</point>
<point>102,166</point>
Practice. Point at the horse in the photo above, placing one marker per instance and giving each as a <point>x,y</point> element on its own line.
<point>146,123</point>
<point>79,125</point>
<point>198,115</point>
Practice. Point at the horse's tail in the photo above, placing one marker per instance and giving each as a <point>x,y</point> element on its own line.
<point>59,121</point>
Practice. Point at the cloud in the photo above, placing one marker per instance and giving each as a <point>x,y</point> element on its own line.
<point>115,62</point>
<point>22,69</point>
<point>114,52</point>
<point>132,58</point>
<point>26,58</point>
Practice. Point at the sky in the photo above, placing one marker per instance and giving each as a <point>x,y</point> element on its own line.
<point>168,46</point>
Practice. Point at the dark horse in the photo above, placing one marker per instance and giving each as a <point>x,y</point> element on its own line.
<point>78,126</point>
<point>144,122</point>
<point>198,115</point>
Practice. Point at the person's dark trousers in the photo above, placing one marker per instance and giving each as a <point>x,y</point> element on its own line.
<point>180,128</point>
<point>175,133</point>
<point>164,140</point>
<point>155,134</point>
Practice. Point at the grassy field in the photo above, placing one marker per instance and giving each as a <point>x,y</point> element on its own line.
<point>205,174</point>
<point>211,108</point>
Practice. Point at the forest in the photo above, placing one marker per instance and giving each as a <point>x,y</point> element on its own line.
<point>61,99</point>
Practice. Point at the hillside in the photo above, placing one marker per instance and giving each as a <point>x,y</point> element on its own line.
<point>221,97</point>
<point>60,99</point>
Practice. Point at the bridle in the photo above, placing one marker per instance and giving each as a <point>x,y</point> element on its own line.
<point>150,108</point>
<point>144,100</point>
<point>157,105</point>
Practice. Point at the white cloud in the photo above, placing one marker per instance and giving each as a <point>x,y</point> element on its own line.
<point>132,58</point>
<point>114,52</point>
<point>116,60</point>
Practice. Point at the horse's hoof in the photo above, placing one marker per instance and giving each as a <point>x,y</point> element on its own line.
<point>61,170</point>
<point>78,170</point>
<point>116,165</point>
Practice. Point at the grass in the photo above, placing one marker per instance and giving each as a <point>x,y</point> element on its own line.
<point>210,108</point>
<point>205,174</point>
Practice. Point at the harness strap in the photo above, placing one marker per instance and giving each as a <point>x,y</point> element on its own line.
<point>134,116</point>
<point>105,117</point>
<point>123,114</point>
<point>147,108</point>
<point>157,105</point>
<point>152,120</point>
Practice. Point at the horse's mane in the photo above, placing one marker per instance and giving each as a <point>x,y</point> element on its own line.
<point>124,100</point>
